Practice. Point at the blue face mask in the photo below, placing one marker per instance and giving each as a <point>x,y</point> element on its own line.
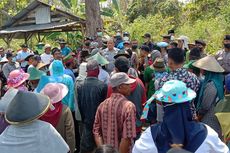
<point>99,34</point>
<point>14,59</point>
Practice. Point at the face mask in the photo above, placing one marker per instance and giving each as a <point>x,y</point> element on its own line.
<point>99,34</point>
<point>14,59</point>
<point>134,47</point>
<point>227,46</point>
<point>125,38</point>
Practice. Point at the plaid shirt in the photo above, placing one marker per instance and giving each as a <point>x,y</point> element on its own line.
<point>115,119</point>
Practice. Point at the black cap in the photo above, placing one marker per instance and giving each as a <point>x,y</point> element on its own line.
<point>145,48</point>
<point>171,31</point>
<point>24,46</point>
<point>227,37</point>
<point>126,34</point>
<point>147,35</point>
<point>28,57</point>
<point>199,41</point>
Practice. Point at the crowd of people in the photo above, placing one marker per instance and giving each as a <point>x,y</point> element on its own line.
<point>116,95</point>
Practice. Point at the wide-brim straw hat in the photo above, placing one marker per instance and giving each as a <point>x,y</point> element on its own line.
<point>26,107</point>
<point>209,63</point>
<point>55,91</point>
<point>41,65</point>
<point>16,78</point>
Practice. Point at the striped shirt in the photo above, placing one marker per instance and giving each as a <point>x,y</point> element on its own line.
<point>115,119</point>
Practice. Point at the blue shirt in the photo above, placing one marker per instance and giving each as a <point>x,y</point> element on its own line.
<point>69,72</point>
<point>65,51</point>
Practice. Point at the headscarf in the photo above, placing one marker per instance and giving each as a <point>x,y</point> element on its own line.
<point>53,116</point>
<point>186,131</point>
<point>217,79</point>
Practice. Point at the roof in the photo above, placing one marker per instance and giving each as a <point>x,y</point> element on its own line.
<point>36,28</point>
<point>31,7</point>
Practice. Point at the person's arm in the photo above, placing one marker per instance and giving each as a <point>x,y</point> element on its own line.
<point>5,70</point>
<point>124,145</point>
<point>69,130</point>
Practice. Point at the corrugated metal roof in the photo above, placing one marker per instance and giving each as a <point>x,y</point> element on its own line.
<point>41,27</point>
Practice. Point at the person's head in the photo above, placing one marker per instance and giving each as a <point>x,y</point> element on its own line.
<point>10,57</point>
<point>171,32</point>
<point>127,45</point>
<point>134,44</point>
<point>106,149</point>
<point>17,78</point>
<point>2,51</point>
<point>84,54</point>
<point>122,64</point>
<point>145,50</point>
<point>56,52</point>
<point>200,44</point>
<point>226,42</point>
<point>195,54</point>
<point>47,48</point>
<point>147,37</point>
<point>155,54</point>
<point>227,84</point>
<point>175,58</point>
<point>110,44</point>
<point>92,68</point>
<point>36,60</point>
<point>191,46</point>
<point>166,38</point>
<point>183,42</point>
<point>24,47</point>
<point>30,59</point>
<point>120,83</point>
<point>62,43</point>
<point>173,45</point>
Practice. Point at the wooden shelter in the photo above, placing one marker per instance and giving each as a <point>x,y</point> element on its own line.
<point>37,19</point>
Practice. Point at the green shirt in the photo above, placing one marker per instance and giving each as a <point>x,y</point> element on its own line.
<point>149,78</point>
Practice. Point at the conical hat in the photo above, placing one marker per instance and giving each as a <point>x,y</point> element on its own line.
<point>209,63</point>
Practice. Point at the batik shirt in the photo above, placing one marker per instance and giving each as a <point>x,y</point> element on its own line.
<point>182,74</point>
<point>115,119</point>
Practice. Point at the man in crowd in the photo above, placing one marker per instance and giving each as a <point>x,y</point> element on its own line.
<point>2,53</point>
<point>64,49</point>
<point>22,54</point>
<point>47,57</point>
<point>56,54</point>
<point>89,96</point>
<point>138,92</point>
<point>115,118</point>
<point>175,64</point>
<point>201,44</point>
<point>148,42</point>
<point>70,64</point>
<point>109,54</point>
<point>223,56</point>
<point>10,65</point>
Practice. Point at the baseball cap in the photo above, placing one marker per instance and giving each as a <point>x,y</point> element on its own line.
<point>147,35</point>
<point>92,65</point>
<point>120,78</point>
<point>227,37</point>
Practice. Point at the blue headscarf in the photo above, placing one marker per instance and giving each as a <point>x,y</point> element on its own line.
<point>217,79</point>
<point>178,128</point>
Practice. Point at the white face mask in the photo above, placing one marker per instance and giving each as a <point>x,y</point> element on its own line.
<point>126,38</point>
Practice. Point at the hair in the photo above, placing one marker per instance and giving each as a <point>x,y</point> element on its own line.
<point>122,64</point>
<point>177,55</point>
<point>195,54</point>
<point>175,44</point>
<point>54,50</point>
<point>145,48</point>
<point>106,149</point>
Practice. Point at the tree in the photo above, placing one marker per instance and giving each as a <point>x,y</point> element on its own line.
<point>93,17</point>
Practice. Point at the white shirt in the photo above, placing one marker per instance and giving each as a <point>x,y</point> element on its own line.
<point>103,76</point>
<point>46,58</point>
<point>212,143</point>
<point>35,137</point>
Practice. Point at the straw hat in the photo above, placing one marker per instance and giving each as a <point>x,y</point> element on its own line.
<point>175,91</point>
<point>16,78</point>
<point>41,65</point>
<point>209,63</point>
<point>26,107</point>
<point>55,91</point>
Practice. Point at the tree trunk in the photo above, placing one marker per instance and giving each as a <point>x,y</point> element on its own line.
<point>93,17</point>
